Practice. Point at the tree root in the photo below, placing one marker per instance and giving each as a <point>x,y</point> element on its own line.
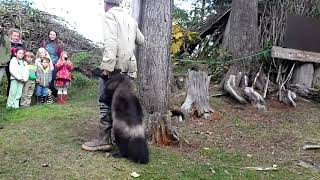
<point>238,88</point>
<point>288,97</point>
<point>255,98</point>
<point>233,90</point>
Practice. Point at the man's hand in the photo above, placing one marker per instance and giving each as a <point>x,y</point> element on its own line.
<point>106,73</point>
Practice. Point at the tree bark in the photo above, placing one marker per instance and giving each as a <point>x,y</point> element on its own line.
<point>243,33</point>
<point>154,66</point>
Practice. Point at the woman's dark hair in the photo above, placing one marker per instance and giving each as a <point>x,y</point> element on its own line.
<point>57,35</point>
<point>52,31</point>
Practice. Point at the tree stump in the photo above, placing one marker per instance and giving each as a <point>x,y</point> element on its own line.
<point>161,131</point>
<point>197,100</point>
<point>303,74</point>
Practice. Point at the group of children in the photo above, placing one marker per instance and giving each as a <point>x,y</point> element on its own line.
<point>33,74</point>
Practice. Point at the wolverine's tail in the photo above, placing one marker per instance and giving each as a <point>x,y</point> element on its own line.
<point>138,150</point>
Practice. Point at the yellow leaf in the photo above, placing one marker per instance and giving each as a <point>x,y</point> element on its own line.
<point>178,35</point>
<point>175,48</point>
<point>192,36</point>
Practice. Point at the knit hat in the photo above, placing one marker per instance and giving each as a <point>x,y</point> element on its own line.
<point>118,2</point>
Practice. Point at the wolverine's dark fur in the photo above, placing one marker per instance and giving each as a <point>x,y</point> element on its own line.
<point>128,127</point>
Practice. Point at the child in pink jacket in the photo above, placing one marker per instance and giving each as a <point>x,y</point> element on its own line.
<point>63,79</point>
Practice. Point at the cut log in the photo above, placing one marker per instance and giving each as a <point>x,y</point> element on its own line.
<point>303,74</point>
<point>294,54</point>
<point>197,100</point>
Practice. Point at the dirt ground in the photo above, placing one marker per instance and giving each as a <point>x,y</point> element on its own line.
<point>275,136</point>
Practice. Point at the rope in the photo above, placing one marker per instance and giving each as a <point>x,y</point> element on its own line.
<point>214,61</point>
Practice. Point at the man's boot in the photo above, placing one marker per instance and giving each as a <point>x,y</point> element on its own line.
<point>103,142</point>
<point>45,100</point>
<point>49,99</point>
<point>38,99</point>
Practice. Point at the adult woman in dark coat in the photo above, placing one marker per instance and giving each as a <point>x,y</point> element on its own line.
<point>54,47</point>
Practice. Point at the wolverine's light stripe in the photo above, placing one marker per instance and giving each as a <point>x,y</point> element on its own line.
<point>133,131</point>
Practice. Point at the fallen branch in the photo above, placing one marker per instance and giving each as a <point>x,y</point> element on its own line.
<point>267,84</point>
<point>255,79</point>
<point>310,146</point>
<point>261,168</point>
<point>309,166</point>
<point>218,95</point>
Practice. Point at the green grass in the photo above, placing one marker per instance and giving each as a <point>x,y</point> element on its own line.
<point>81,56</point>
<point>53,135</point>
<point>81,81</point>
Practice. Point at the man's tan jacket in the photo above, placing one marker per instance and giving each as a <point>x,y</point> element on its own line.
<point>121,34</point>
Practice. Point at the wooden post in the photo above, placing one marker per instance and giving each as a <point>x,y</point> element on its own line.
<point>316,77</point>
<point>294,54</point>
<point>303,73</point>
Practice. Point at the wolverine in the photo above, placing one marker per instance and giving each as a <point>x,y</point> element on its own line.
<point>127,127</point>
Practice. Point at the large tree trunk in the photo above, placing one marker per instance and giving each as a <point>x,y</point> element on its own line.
<point>153,68</point>
<point>243,33</point>
<point>242,40</point>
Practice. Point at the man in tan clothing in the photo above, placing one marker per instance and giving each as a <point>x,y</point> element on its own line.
<point>121,34</point>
